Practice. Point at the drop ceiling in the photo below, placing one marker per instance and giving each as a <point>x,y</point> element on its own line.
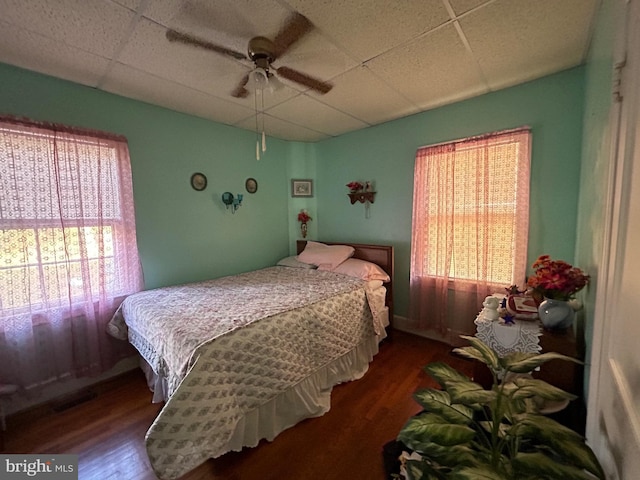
<point>386,59</point>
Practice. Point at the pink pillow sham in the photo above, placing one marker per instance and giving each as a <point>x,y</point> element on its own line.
<point>362,269</point>
<point>326,257</point>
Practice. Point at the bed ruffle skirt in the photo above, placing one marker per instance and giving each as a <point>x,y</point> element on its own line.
<point>310,398</point>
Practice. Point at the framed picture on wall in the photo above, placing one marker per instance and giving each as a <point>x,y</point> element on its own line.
<point>302,188</point>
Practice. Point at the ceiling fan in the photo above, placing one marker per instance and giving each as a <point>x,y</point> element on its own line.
<point>263,52</point>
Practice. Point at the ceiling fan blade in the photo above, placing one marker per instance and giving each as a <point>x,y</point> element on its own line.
<point>240,91</point>
<point>303,79</point>
<point>174,36</point>
<point>296,27</point>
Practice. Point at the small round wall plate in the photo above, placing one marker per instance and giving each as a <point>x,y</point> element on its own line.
<point>198,181</point>
<point>251,185</point>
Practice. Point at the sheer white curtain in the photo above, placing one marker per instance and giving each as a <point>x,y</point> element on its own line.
<point>470,228</point>
<point>68,253</point>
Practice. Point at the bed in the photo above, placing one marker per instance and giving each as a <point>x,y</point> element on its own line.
<point>241,358</point>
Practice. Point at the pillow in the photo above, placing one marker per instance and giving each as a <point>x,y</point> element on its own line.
<point>362,269</point>
<point>326,256</point>
<point>293,262</point>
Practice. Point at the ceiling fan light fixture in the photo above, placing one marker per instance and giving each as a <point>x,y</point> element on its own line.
<point>258,80</point>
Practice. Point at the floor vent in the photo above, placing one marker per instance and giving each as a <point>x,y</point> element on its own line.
<point>72,400</point>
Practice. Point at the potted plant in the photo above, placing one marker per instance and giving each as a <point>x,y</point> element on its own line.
<point>468,432</point>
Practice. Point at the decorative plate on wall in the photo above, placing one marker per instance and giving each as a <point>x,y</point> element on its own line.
<point>251,185</point>
<point>198,181</point>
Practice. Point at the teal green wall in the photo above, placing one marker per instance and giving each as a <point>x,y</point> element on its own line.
<point>183,235</point>
<point>596,163</point>
<point>551,106</point>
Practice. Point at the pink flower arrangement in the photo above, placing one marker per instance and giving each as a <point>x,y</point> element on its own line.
<point>355,186</point>
<point>556,279</point>
<point>304,216</point>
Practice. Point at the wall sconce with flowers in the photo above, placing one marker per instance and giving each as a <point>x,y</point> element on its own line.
<point>304,218</point>
<point>230,201</point>
<point>363,193</point>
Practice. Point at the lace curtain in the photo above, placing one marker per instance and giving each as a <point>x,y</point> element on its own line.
<point>68,253</point>
<point>470,227</point>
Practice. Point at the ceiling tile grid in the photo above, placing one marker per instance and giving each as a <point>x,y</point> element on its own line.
<point>385,60</point>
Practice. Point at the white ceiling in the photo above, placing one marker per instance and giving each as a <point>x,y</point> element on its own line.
<point>385,58</point>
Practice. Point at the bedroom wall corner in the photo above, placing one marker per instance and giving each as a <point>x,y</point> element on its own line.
<point>301,164</point>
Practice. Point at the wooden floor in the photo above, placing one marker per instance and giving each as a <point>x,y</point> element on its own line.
<point>107,432</point>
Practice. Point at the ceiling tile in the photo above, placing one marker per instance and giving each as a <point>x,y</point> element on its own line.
<point>127,81</point>
<point>72,22</point>
<point>149,50</point>
<point>308,112</point>
<point>363,95</point>
<point>384,59</point>
<point>276,127</point>
<point>35,52</point>
<point>367,28</point>
<point>433,70</point>
<point>463,6</point>
<point>517,41</point>
<point>228,23</point>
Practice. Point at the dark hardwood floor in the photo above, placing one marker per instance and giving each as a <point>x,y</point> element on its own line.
<point>107,431</point>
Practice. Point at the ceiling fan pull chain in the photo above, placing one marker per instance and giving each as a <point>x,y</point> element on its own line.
<point>257,150</point>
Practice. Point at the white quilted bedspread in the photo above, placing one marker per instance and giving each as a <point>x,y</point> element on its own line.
<point>221,363</point>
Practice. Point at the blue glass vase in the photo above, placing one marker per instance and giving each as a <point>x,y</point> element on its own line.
<point>555,314</point>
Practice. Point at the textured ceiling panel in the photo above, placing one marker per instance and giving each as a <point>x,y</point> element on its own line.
<point>384,59</point>
<point>230,23</point>
<point>433,70</point>
<point>279,128</point>
<point>462,6</point>
<point>95,26</point>
<point>312,114</point>
<point>35,52</point>
<point>199,69</point>
<point>363,95</point>
<point>517,41</point>
<point>367,28</point>
<point>148,88</point>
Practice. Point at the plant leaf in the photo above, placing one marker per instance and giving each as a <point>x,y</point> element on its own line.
<point>458,386</point>
<point>442,373</point>
<point>439,402</point>
<point>420,470</point>
<point>531,387</point>
<point>519,362</point>
<point>564,442</point>
<point>429,427</point>
<point>542,466</point>
<point>476,473</point>
<point>468,393</point>
<point>489,355</point>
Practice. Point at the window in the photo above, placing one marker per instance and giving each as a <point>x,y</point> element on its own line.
<point>67,232</point>
<point>470,214</point>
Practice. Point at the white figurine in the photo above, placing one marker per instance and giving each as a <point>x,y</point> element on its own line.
<point>491,305</point>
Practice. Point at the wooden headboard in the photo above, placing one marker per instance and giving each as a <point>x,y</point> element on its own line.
<point>381,255</point>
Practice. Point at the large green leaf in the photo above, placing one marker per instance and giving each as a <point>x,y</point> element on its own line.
<point>545,467</point>
<point>417,470</point>
<point>439,402</point>
<point>531,387</point>
<point>469,393</point>
<point>564,442</point>
<point>477,473</point>
<point>489,355</point>
<point>527,362</point>
<point>443,373</point>
<point>429,427</point>
<point>448,456</point>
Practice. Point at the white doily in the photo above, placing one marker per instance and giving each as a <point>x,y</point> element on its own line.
<point>522,336</point>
